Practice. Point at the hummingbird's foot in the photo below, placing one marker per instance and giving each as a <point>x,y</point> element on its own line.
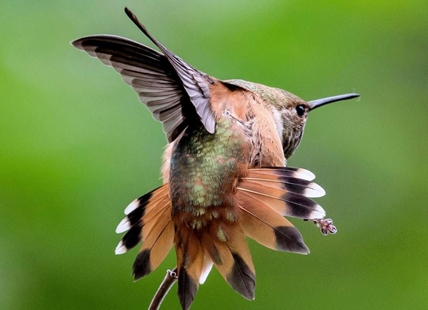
<point>326,226</point>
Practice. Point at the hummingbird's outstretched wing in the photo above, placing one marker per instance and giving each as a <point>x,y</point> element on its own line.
<point>175,92</point>
<point>195,82</point>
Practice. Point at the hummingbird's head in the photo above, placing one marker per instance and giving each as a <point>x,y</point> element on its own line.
<point>288,111</point>
<point>291,113</point>
<point>290,119</point>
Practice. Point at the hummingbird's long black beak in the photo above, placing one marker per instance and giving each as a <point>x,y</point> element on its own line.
<point>320,102</point>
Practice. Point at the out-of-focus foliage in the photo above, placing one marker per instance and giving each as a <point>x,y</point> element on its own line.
<point>76,147</point>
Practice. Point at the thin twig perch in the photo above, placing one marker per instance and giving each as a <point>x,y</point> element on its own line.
<point>170,278</point>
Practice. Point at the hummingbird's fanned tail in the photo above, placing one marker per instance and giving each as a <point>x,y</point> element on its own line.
<point>228,249</point>
<point>190,264</point>
<point>286,190</point>
<point>219,243</point>
<point>270,229</point>
<point>265,195</point>
<point>148,219</point>
<point>216,235</point>
<point>155,247</point>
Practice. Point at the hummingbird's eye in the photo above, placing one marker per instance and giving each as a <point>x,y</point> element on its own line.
<point>300,110</point>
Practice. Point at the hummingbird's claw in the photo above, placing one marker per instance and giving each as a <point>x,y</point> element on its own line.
<point>326,226</point>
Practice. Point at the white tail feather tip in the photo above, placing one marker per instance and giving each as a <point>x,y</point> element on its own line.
<point>205,271</point>
<point>304,174</point>
<point>314,191</point>
<point>123,226</point>
<point>120,249</point>
<point>131,207</point>
<point>318,213</point>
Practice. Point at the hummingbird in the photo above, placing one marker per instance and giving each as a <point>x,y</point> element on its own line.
<point>224,168</point>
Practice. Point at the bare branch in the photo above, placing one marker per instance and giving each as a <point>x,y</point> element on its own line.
<point>170,278</point>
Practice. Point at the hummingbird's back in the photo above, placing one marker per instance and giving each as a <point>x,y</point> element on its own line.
<point>205,167</point>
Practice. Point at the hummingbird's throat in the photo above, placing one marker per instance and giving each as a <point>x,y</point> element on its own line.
<point>291,142</point>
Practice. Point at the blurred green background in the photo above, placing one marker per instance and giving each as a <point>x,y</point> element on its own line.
<point>76,147</point>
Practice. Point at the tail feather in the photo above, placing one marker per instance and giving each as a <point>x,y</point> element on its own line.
<point>292,172</point>
<point>232,259</point>
<point>140,207</point>
<point>141,217</point>
<point>286,195</point>
<point>263,197</point>
<point>268,228</point>
<point>291,185</point>
<point>190,264</point>
<point>156,246</point>
<point>148,219</point>
<point>206,269</point>
<point>139,231</point>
